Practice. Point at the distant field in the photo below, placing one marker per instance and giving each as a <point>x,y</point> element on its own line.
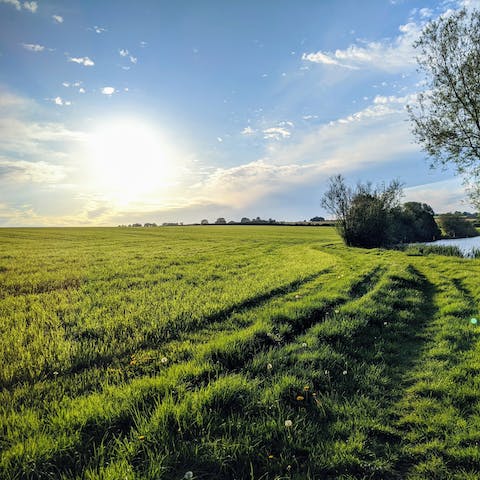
<point>234,353</point>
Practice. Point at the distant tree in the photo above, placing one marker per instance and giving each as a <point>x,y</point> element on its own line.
<point>204,222</point>
<point>136,225</point>
<point>317,219</point>
<point>456,226</point>
<point>220,221</point>
<point>446,116</point>
<point>245,220</point>
<point>150,224</point>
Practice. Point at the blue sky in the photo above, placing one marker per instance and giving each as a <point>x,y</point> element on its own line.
<point>119,111</point>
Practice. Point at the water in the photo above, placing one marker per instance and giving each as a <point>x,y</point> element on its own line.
<point>466,245</point>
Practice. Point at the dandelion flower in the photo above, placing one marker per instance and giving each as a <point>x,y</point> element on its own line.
<point>55,373</point>
<point>188,475</point>
<point>327,372</point>
<point>300,398</point>
<point>288,423</point>
<point>298,296</point>
<point>385,323</point>
<point>141,437</point>
<point>270,456</point>
<point>133,362</point>
<point>269,366</point>
<point>306,388</point>
<point>344,372</point>
<point>165,360</point>
<point>304,344</point>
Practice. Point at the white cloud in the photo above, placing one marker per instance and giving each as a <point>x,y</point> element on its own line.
<point>98,29</point>
<point>33,47</point>
<point>143,44</point>
<point>57,18</point>
<point>81,90</point>
<point>133,59</point>
<point>30,6</point>
<point>66,84</point>
<point>15,3</point>
<point>85,61</point>
<point>276,133</point>
<point>61,102</point>
<point>123,52</point>
<point>392,99</point>
<point>386,55</point>
<point>108,90</point>
<point>325,58</point>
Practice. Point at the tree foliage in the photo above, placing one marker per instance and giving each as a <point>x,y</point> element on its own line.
<point>415,222</point>
<point>446,116</point>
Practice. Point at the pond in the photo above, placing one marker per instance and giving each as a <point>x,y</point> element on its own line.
<point>466,245</point>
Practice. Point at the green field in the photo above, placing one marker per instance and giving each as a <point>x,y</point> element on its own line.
<point>234,353</point>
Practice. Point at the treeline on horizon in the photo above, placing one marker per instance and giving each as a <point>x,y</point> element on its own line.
<point>315,221</point>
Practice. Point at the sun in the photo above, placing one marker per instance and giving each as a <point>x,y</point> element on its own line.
<point>129,158</point>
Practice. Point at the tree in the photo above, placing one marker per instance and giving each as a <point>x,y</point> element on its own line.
<point>363,214</point>
<point>245,220</point>
<point>317,219</point>
<point>456,226</point>
<point>204,222</point>
<point>446,116</point>
<point>220,221</point>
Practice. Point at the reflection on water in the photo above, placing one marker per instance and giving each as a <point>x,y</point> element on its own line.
<point>466,245</point>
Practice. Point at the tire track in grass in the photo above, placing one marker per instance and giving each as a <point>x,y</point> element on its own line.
<point>285,328</point>
<point>167,333</point>
<point>438,415</point>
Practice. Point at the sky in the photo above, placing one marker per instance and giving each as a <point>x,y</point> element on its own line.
<point>116,112</point>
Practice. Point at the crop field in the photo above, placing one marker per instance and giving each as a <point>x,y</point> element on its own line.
<point>226,352</point>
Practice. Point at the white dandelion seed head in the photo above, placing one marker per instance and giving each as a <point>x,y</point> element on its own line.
<point>164,360</point>
<point>288,423</point>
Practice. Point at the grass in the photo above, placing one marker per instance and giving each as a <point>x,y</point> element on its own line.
<point>234,352</point>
